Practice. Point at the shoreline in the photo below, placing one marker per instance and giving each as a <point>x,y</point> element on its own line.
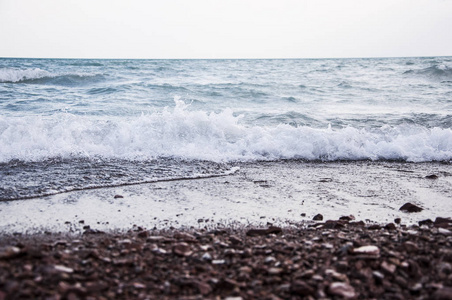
<point>335,259</point>
<point>281,193</point>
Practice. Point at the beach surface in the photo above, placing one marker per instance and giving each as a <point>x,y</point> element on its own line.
<point>280,193</point>
<point>246,235</point>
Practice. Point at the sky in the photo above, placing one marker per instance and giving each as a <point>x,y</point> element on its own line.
<point>225,29</point>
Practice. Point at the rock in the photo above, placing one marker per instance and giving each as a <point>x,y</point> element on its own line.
<point>258,232</point>
<point>143,234</point>
<point>390,226</point>
<point>432,176</point>
<point>203,288</point>
<point>118,196</point>
<point>444,231</point>
<point>9,252</point>
<point>426,222</point>
<point>301,288</point>
<point>318,217</point>
<point>410,247</point>
<point>275,271</point>
<point>397,220</point>
<point>410,208</point>
<point>342,289</point>
<point>182,249</point>
<point>331,224</point>
<point>347,218</point>
<point>443,294</point>
<point>63,269</point>
<point>388,268</point>
<point>367,250</point>
<point>442,222</point>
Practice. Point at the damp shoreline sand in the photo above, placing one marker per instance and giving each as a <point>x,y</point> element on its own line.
<point>281,193</point>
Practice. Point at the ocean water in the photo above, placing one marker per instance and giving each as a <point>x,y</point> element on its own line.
<point>69,124</point>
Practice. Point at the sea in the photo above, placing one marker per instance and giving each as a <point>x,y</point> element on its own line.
<point>78,124</point>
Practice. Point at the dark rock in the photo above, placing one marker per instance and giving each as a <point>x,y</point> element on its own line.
<point>347,218</point>
<point>390,226</point>
<point>397,220</point>
<point>93,231</point>
<point>258,232</point>
<point>331,224</point>
<point>427,222</point>
<point>409,207</point>
<point>301,288</point>
<point>9,252</point>
<point>182,249</point>
<point>432,176</point>
<point>143,234</point>
<point>318,217</point>
<point>374,227</point>
<point>443,294</point>
<point>118,196</point>
<point>442,222</point>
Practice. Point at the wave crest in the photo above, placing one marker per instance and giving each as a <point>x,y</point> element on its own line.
<point>181,133</point>
<point>38,76</point>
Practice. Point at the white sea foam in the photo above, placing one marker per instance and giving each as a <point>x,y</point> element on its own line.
<point>220,136</point>
<point>17,75</point>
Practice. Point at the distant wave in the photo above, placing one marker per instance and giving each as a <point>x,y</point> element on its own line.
<point>17,75</point>
<point>185,134</point>
<point>437,71</point>
<point>38,76</point>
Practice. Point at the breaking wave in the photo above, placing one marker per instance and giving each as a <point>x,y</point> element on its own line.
<point>438,71</point>
<point>39,76</point>
<point>198,135</point>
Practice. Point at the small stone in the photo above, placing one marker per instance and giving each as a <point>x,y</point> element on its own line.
<point>260,232</point>
<point>367,250</point>
<point>182,249</point>
<point>138,285</point>
<point>347,218</point>
<point>388,268</point>
<point>443,294</point>
<point>318,217</point>
<point>143,234</point>
<point>218,262</point>
<point>275,271</point>
<point>432,176</point>
<point>442,222</point>
<point>390,226</point>
<point>426,222</point>
<point>444,231</point>
<point>410,208</point>
<point>203,288</point>
<point>118,196</point>
<point>9,252</point>
<point>63,269</point>
<point>342,289</point>
<point>410,247</point>
<point>397,220</point>
<point>206,256</point>
<point>301,288</point>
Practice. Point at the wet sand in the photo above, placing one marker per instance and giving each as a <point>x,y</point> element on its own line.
<point>281,193</point>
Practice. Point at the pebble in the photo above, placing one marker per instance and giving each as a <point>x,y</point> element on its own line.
<point>342,289</point>
<point>410,208</point>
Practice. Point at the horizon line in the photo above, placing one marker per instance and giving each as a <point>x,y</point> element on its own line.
<point>243,58</point>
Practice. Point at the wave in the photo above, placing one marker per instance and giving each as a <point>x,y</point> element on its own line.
<point>39,76</point>
<point>198,135</point>
<point>437,71</point>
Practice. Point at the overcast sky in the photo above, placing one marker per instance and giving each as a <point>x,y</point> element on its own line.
<point>224,29</point>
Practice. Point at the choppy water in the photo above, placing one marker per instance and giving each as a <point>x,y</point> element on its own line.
<point>76,124</point>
